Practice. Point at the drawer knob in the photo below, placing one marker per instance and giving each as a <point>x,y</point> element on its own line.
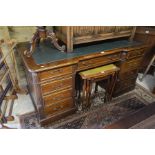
<point>56,71</point>
<point>55,109</point>
<point>58,86</point>
<point>58,98</point>
<point>58,108</point>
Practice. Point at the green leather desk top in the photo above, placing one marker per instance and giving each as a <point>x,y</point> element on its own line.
<point>46,53</point>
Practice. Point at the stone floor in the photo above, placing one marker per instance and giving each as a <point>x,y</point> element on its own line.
<point>148,82</point>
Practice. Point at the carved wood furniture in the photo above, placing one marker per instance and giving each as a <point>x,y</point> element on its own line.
<point>108,72</point>
<point>51,73</point>
<point>73,35</point>
<point>42,34</point>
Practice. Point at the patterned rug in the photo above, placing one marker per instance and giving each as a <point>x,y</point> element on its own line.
<point>98,116</point>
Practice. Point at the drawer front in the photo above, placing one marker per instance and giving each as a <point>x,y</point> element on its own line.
<point>122,91</point>
<point>136,53</point>
<point>98,61</point>
<point>130,65</point>
<point>57,97</point>
<point>121,85</point>
<point>128,75</point>
<point>56,85</point>
<point>59,107</point>
<point>55,72</point>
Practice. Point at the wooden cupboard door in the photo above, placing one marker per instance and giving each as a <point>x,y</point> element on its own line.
<point>79,31</point>
<point>124,29</point>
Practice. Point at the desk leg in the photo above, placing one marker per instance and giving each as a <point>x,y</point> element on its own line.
<point>89,86</point>
<point>107,89</point>
<point>84,93</point>
<point>111,87</point>
<point>114,78</point>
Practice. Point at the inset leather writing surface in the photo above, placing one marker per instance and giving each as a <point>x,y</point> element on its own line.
<point>45,53</point>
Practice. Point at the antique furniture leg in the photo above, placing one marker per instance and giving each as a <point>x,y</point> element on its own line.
<point>113,78</point>
<point>84,93</point>
<point>113,84</point>
<point>78,91</point>
<point>89,93</point>
<point>107,89</point>
<point>96,87</point>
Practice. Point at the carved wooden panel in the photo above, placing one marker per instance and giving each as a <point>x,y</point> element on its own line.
<point>72,35</point>
<point>79,31</point>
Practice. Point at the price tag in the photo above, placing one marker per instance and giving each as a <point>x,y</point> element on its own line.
<point>147,31</point>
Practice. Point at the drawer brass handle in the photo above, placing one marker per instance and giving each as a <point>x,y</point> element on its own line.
<point>56,71</point>
<point>61,106</point>
<point>87,64</point>
<point>58,86</point>
<point>55,109</point>
<point>133,64</point>
<point>113,56</point>
<point>58,108</point>
<point>58,98</point>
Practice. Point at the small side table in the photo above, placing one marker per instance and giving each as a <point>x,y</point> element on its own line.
<point>108,72</point>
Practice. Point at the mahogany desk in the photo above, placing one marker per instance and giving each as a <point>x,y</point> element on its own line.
<point>51,74</point>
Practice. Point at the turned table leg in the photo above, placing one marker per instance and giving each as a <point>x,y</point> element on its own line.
<point>84,93</point>
<point>89,93</point>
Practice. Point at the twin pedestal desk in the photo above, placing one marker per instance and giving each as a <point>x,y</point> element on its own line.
<point>51,74</point>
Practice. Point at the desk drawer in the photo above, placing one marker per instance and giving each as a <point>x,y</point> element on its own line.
<point>128,75</point>
<point>122,91</point>
<point>55,72</point>
<point>136,53</point>
<point>57,96</point>
<point>130,65</point>
<point>90,63</point>
<point>56,85</point>
<point>59,107</point>
<point>121,85</point>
